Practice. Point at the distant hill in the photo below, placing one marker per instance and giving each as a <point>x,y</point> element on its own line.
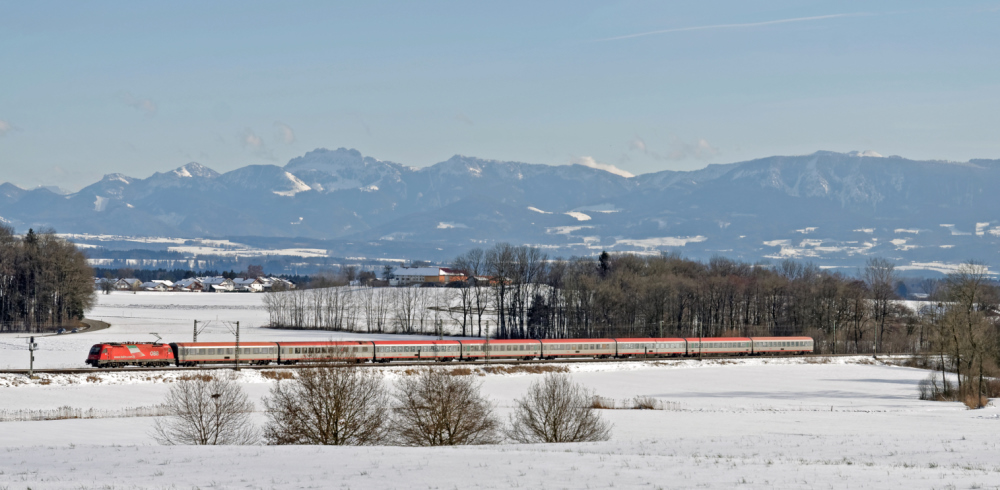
<point>833,208</point>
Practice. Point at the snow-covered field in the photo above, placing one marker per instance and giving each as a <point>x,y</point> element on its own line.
<point>750,423</point>
<point>135,316</point>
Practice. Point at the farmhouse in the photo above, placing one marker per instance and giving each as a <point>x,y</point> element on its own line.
<point>405,276</point>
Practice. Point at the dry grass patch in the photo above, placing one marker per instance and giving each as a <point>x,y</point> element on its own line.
<point>646,403</point>
<point>817,360</point>
<point>196,377</point>
<point>602,403</point>
<point>463,371</point>
<point>975,402</point>
<point>526,368</point>
<point>278,375</point>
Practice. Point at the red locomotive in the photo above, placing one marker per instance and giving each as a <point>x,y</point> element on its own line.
<point>116,354</point>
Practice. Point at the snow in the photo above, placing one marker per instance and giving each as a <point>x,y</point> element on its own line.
<point>942,267</point>
<point>775,423</point>
<point>742,423</point>
<point>599,208</point>
<point>951,228</point>
<point>295,186</point>
<point>246,251</point>
<point>607,167</point>
<point>661,241</point>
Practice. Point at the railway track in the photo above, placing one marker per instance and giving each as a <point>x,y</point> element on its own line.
<point>508,362</point>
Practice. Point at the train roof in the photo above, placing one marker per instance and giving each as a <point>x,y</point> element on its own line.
<point>720,339</point>
<point>500,341</point>
<point>224,344</point>
<point>416,342</point>
<point>651,339</point>
<point>781,338</point>
<point>563,341</point>
<point>326,342</point>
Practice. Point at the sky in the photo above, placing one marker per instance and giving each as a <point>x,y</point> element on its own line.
<point>91,88</point>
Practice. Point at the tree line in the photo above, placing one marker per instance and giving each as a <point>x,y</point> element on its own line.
<point>524,294</point>
<point>45,282</point>
<point>964,339</point>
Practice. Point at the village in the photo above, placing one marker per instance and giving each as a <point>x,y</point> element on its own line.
<point>402,276</point>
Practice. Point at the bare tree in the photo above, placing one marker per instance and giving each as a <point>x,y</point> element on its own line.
<point>969,321</point>
<point>880,276</point>
<point>206,411</point>
<point>328,405</point>
<point>435,408</point>
<point>556,409</point>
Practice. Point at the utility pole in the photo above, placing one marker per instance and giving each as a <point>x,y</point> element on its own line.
<point>31,353</point>
<point>440,329</point>
<point>237,346</point>
<point>195,332</point>
<point>487,343</point>
<point>661,329</point>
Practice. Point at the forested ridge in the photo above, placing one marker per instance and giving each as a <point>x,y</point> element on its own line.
<point>45,282</point>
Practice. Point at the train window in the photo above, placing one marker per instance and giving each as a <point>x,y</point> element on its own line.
<point>201,352</point>
<point>354,349</point>
<point>211,352</point>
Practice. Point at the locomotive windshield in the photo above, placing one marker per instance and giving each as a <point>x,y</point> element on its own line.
<point>95,349</point>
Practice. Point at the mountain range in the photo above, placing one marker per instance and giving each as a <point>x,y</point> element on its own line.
<point>833,208</point>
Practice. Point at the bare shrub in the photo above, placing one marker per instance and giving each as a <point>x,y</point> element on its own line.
<point>328,405</point>
<point>434,408</point>
<point>556,409</point>
<point>206,412</point>
<point>992,388</point>
<point>646,403</point>
<point>934,389</point>
<point>602,403</point>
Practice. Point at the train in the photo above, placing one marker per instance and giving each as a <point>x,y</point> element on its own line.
<point>121,354</point>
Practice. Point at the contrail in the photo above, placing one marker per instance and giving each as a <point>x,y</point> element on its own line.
<point>726,26</point>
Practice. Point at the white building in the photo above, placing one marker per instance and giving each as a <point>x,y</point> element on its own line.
<point>405,276</point>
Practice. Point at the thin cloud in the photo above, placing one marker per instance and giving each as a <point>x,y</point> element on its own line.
<point>285,133</point>
<point>5,127</point>
<point>730,26</point>
<point>146,106</point>
<point>255,143</point>
<point>607,167</point>
<point>464,118</point>
<point>251,140</point>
